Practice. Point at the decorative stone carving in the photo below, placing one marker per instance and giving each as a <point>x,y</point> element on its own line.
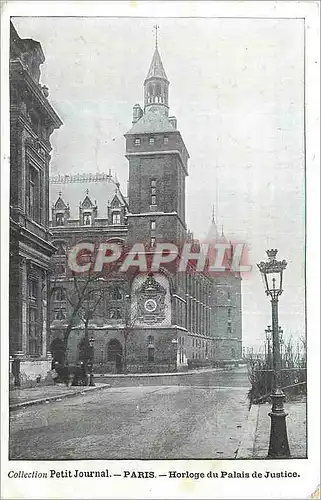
<point>151,301</point>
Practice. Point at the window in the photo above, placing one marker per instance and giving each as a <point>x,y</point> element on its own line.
<point>152,242</point>
<point>229,313</point>
<point>229,328</point>
<point>151,340</point>
<point>151,140</point>
<point>115,314</point>
<point>59,294</point>
<point>33,288</point>
<point>229,294</point>
<point>151,354</point>
<point>153,190</point>
<point>152,225</point>
<point>60,269</point>
<point>137,141</point>
<point>87,218</point>
<point>233,353</point>
<point>153,183</point>
<point>60,219</point>
<point>60,313</point>
<point>153,199</point>
<point>116,218</point>
<point>34,337</point>
<point>165,140</point>
<point>34,194</point>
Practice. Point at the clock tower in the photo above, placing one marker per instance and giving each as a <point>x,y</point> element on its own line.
<point>158,160</point>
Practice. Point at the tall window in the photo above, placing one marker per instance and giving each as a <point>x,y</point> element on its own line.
<point>229,328</point>
<point>165,140</point>
<point>116,293</point>
<point>229,294</point>
<point>34,334</point>
<point>59,294</point>
<point>153,192</point>
<point>87,218</point>
<point>116,218</point>
<point>34,208</point>
<point>152,241</point>
<point>151,140</point>
<point>34,344</point>
<point>137,141</point>
<point>60,219</point>
<point>229,313</point>
<point>152,225</point>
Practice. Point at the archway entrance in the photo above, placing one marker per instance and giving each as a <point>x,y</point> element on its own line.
<point>115,354</point>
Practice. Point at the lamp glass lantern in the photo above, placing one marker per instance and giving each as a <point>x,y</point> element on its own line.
<point>272,274</point>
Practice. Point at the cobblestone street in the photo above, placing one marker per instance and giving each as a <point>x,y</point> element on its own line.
<point>151,422</point>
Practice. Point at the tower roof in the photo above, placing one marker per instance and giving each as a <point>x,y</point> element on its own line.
<point>152,122</point>
<point>156,69</point>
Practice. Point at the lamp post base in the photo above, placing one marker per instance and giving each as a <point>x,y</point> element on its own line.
<point>279,445</point>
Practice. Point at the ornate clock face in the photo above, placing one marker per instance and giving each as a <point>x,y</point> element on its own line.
<point>150,305</point>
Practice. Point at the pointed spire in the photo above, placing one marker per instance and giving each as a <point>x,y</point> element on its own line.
<point>156,69</point>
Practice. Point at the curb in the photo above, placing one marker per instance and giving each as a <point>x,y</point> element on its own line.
<point>165,374</point>
<point>16,406</point>
<point>246,447</point>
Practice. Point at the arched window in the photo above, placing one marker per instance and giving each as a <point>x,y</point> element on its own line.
<point>59,294</point>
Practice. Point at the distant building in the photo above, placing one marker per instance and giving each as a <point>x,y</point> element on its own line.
<point>176,320</point>
<point>32,121</point>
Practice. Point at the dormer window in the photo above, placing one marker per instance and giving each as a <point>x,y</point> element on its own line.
<point>165,140</point>
<point>60,220</point>
<point>116,218</point>
<point>137,141</point>
<point>151,140</point>
<point>87,218</point>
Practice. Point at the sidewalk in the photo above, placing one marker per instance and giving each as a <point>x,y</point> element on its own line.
<point>255,442</point>
<point>19,398</point>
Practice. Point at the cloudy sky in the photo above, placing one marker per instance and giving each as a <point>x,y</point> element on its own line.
<point>236,88</point>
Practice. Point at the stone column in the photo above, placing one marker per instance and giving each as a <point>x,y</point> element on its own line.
<point>44,303</point>
<point>24,305</point>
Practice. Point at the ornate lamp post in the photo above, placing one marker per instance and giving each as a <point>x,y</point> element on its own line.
<point>272,274</point>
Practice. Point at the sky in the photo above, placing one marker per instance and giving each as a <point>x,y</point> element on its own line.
<point>237,90</point>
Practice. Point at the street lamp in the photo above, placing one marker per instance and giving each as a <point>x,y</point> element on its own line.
<point>272,274</point>
<point>91,361</point>
<point>268,333</point>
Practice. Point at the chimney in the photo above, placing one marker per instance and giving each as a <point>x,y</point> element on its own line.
<point>137,113</point>
<point>173,121</point>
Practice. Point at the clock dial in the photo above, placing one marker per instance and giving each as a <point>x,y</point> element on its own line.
<point>150,305</point>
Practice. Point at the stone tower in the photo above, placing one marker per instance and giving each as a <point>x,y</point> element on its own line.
<point>157,166</point>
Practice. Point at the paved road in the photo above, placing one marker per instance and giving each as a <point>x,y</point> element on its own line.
<point>149,422</point>
<point>236,377</point>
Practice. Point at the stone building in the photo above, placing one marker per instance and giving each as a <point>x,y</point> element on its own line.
<point>32,121</point>
<point>159,321</point>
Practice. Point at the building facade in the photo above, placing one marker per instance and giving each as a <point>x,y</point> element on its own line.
<point>32,121</point>
<point>159,321</point>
